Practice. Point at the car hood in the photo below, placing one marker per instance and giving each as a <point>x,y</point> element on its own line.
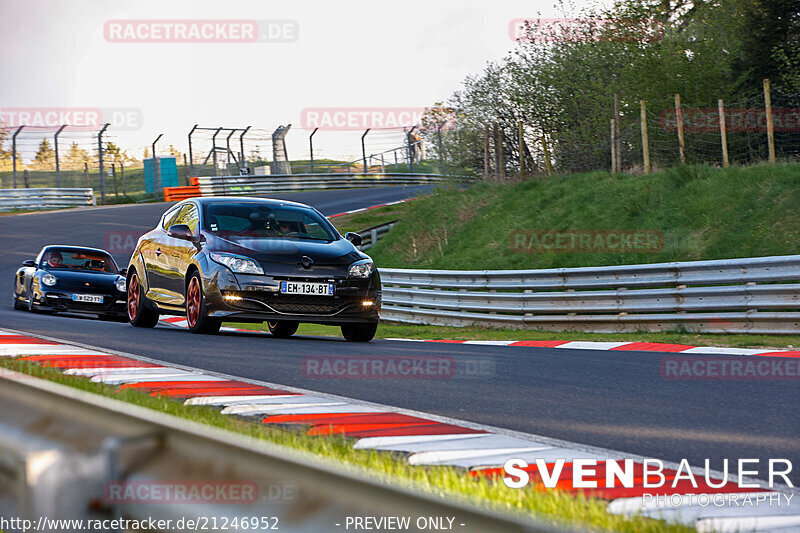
<point>77,280</point>
<point>287,251</point>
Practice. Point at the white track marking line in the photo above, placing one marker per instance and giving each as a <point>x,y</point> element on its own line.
<point>389,443</point>
<point>231,400</point>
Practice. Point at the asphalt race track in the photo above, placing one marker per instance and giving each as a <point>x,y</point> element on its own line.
<point>610,399</point>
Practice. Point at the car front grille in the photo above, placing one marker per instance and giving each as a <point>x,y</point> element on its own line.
<point>304,308</point>
<point>298,304</point>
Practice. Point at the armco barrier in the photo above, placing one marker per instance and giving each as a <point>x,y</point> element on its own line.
<point>259,185</point>
<point>753,295</point>
<point>28,199</point>
<point>65,450</point>
<point>176,194</point>
<point>370,236</point>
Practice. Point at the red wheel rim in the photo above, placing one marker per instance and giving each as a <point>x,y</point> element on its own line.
<point>193,302</point>
<point>133,297</point>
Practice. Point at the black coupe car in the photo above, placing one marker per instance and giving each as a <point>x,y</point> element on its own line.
<point>253,260</point>
<point>72,279</point>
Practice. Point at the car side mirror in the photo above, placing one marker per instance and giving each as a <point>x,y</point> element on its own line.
<point>355,238</point>
<point>123,272</point>
<point>181,231</point>
<point>29,263</point>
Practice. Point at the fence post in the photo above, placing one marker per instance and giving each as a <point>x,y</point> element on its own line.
<point>499,160</point>
<point>186,170</point>
<point>613,146</point>
<point>521,151</point>
<point>55,148</point>
<point>364,150</point>
<point>679,119</point>
<point>770,126</point>
<point>440,146</point>
<point>548,168</point>
<point>486,163</point>
<point>723,133</point>
<point>122,177</point>
<point>617,133</point>
<point>26,178</point>
<point>86,174</point>
<point>412,153</point>
<point>14,154</point>
<point>100,159</point>
<point>191,159</point>
<point>241,154</point>
<point>645,139</point>
<point>311,148</point>
<point>114,177</point>
<point>157,168</point>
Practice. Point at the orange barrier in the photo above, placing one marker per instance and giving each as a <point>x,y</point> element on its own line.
<point>176,194</point>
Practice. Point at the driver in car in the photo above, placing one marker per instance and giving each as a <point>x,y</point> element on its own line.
<point>55,259</point>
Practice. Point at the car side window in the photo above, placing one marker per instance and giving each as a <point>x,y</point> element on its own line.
<point>188,215</point>
<point>169,217</point>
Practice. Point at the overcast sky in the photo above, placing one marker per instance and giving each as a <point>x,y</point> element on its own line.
<point>367,53</point>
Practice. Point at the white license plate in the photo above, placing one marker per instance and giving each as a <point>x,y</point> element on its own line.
<point>311,289</point>
<point>89,298</point>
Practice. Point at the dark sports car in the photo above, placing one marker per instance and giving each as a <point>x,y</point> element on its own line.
<point>253,260</point>
<point>72,279</point>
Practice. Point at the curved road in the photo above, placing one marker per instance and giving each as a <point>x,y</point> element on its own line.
<point>610,399</point>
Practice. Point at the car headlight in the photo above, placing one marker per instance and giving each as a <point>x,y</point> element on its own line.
<point>238,263</point>
<point>48,279</point>
<point>120,284</point>
<point>361,269</point>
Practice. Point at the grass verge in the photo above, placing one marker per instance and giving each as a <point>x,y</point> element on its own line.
<point>388,330</point>
<point>553,506</point>
<point>700,212</point>
<point>368,219</point>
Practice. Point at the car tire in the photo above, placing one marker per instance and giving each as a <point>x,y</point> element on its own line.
<point>140,314</point>
<point>18,306</point>
<point>359,332</point>
<point>196,313</point>
<point>283,329</point>
<point>31,308</point>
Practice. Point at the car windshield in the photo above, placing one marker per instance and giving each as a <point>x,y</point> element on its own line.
<point>78,260</point>
<point>255,219</point>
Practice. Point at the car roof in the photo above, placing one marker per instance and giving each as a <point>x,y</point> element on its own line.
<point>237,199</point>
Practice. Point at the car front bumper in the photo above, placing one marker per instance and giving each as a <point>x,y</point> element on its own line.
<point>113,304</point>
<point>258,299</point>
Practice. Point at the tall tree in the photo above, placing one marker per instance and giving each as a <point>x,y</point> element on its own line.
<point>45,158</point>
<point>75,158</point>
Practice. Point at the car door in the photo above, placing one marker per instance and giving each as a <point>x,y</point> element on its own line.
<point>155,260</point>
<point>178,254</point>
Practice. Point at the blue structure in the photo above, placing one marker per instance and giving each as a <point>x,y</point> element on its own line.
<point>169,173</point>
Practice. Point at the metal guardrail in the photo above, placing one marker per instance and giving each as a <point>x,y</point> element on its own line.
<point>63,450</point>
<point>753,295</point>
<point>45,198</point>
<point>370,236</point>
<point>258,185</point>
